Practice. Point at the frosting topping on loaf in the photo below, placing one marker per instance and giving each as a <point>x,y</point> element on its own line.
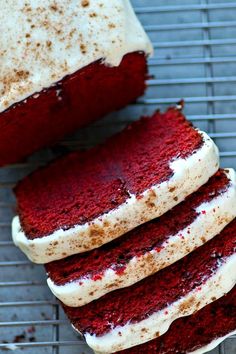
<point>45,41</point>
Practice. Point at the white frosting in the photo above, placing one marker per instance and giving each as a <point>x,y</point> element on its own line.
<point>46,40</point>
<point>216,215</point>
<point>212,345</point>
<point>132,334</point>
<point>189,174</point>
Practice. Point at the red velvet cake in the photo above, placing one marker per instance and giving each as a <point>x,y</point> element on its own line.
<point>87,199</point>
<point>64,65</point>
<point>198,333</point>
<point>144,311</point>
<point>81,278</point>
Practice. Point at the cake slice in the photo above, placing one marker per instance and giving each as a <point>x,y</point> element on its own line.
<point>198,333</point>
<point>81,278</point>
<point>144,311</point>
<point>64,65</point>
<point>87,199</point>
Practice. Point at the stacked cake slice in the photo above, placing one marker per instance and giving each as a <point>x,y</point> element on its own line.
<point>137,234</point>
<point>139,313</point>
<point>198,333</point>
<point>87,199</point>
<point>81,278</point>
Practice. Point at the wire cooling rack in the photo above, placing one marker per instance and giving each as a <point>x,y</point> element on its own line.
<point>195,58</point>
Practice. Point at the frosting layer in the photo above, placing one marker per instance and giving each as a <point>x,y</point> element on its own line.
<point>45,41</point>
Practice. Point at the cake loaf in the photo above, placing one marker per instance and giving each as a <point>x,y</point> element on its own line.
<point>81,278</point>
<point>198,333</point>
<point>137,314</point>
<point>63,65</point>
<point>87,199</point>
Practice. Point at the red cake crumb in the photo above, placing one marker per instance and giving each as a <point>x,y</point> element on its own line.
<point>190,333</point>
<point>82,186</point>
<point>136,303</point>
<point>145,238</point>
<point>79,99</point>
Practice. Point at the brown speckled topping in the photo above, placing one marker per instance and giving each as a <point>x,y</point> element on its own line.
<point>85,3</point>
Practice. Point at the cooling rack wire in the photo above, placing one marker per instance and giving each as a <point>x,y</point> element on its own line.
<point>195,58</point>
